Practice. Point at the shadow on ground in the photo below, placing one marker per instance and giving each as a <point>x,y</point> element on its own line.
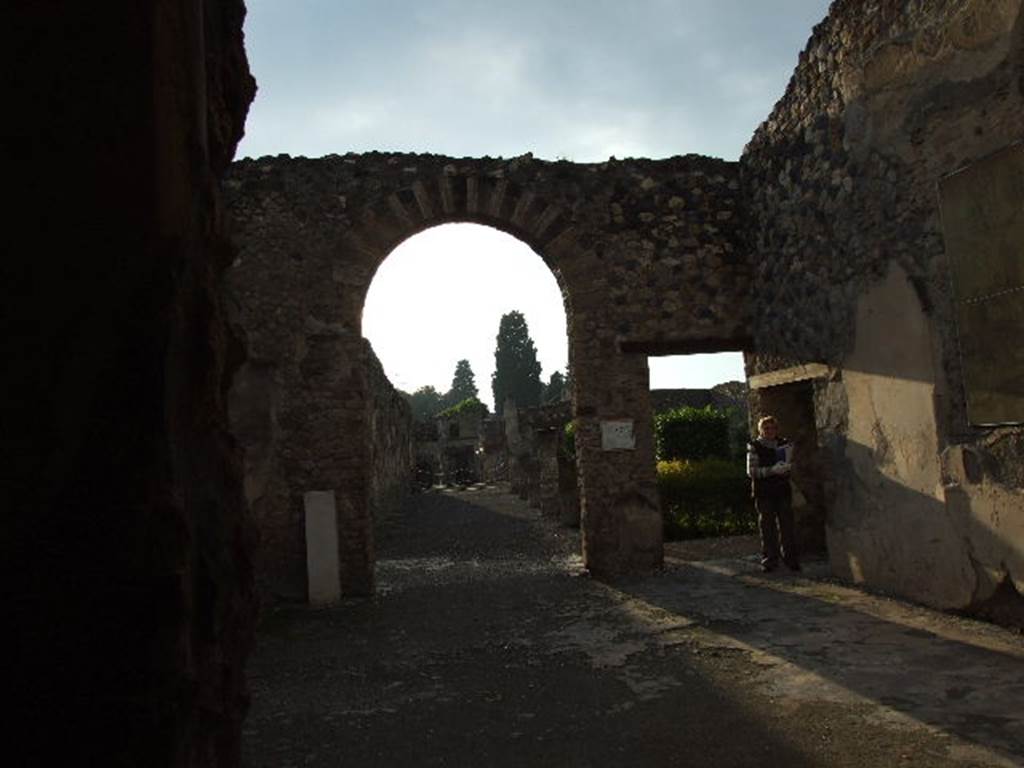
<point>487,644</point>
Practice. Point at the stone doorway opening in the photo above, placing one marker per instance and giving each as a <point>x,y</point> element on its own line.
<point>793,405</point>
<point>701,424</point>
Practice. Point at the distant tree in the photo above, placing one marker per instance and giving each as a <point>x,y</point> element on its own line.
<point>555,388</point>
<point>425,403</point>
<point>516,369</point>
<point>463,384</point>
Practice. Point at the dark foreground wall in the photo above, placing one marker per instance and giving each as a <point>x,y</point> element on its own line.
<point>124,540</point>
<point>865,287</point>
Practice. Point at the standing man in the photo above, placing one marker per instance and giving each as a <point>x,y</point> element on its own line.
<point>769,463</point>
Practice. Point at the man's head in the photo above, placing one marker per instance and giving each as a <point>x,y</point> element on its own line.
<point>768,427</point>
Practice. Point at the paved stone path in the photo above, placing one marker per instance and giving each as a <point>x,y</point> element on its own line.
<point>487,645</point>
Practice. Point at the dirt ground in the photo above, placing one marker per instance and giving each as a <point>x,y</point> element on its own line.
<point>487,644</point>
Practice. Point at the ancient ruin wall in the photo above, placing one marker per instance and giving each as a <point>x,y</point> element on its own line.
<point>392,446</point>
<point>125,542</point>
<point>850,270</point>
<point>649,256</point>
<point>660,239</point>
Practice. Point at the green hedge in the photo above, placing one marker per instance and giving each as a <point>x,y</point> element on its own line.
<point>691,433</point>
<point>705,498</point>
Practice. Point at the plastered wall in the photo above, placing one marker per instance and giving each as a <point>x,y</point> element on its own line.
<point>852,274</point>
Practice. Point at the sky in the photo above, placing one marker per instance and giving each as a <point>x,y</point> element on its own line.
<point>581,80</point>
<point>469,312</point>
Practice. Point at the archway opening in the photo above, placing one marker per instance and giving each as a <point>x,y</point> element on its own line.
<point>445,310</point>
<point>439,297</point>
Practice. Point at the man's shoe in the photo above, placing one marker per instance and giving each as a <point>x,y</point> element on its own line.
<point>769,567</point>
<point>794,567</point>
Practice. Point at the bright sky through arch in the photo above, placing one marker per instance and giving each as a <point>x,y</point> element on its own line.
<point>439,297</point>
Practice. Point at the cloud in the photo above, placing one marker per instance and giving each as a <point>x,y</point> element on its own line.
<point>581,80</point>
<point>477,70</point>
<point>351,118</point>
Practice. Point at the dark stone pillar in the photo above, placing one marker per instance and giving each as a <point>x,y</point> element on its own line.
<point>620,515</point>
<point>125,540</point>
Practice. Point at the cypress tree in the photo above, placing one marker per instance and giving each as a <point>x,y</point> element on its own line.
<point>463,384</point>
<point>516,368</point>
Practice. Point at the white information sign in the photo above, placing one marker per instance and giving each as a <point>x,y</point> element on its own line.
<point>617,436</point>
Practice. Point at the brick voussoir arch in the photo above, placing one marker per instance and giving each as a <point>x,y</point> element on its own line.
<point>448,199</point>
<point>505,206</point>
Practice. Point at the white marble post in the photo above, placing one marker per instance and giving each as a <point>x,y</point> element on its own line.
<point>322,547</point>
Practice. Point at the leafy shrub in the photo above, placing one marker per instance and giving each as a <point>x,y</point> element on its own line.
<point>705,498</point>
<point>569,440</point>
<point>739,432</point>
<point>470,403</point>
<point>691,433</point>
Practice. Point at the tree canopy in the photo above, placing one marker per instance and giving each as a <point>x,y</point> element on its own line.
<point>463,384</point>
<point>425,403</point>
<point>516,368</point>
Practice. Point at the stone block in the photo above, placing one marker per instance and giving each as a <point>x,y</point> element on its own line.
<point>322,547</point>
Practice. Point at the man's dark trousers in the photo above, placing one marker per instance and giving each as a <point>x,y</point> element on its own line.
<point>775,519</point>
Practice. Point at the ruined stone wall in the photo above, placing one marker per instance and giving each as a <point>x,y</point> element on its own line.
<point>537,469</point>
<point>391,448</point>
<point>660,238</point>
<point>494,460</point>
<point>125,542</point>
<point>279,394</point>
<point>649,255</point>
<point>313,410</point>
<point>850,271</point>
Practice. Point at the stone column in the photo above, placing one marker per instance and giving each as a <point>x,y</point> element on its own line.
<point>620,515</point>
<point>547,442</point>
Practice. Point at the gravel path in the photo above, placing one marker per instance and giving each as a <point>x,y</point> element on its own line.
<point>488,645</point>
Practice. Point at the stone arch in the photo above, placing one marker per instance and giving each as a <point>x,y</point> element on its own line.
<point>408,211</point>
<point>647,253</point>
<point>456,199</point>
